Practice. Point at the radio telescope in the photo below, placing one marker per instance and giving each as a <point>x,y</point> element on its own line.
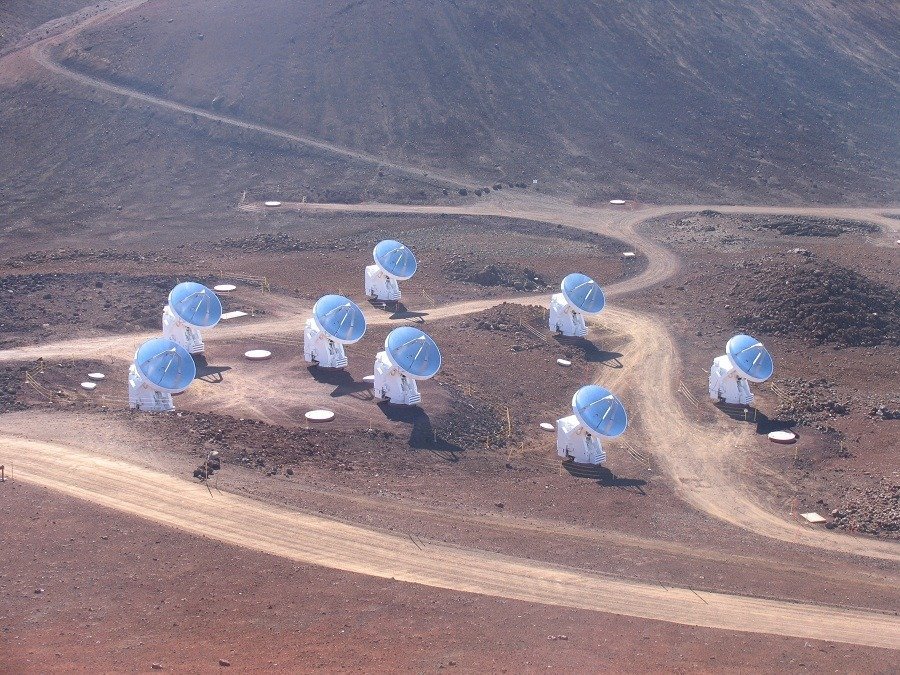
<point>745,360</point>
<point>161,368</point>
<point>191,306</point>
<point>597,413</point>
<point>393,262</point>
<point>409,355</point>
<point>580,295</point>
<point>336,321</point>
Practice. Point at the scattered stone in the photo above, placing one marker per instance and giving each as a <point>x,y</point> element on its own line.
<point>224,663</point>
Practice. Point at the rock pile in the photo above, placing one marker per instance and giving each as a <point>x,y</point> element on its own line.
<point>812,402</point>
<point>874,510</point>
<point>493,274</point>
<point>816,300</point>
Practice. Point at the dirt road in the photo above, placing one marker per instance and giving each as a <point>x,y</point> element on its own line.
<point>704,462</point>
<point>297,536</point>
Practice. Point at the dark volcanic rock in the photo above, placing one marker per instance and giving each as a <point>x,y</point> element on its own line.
<point>818,301</point>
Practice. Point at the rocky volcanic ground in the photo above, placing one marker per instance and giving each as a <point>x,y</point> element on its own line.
<point>833,331</point>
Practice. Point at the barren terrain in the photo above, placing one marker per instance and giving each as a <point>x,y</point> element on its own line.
<point>448,534</point>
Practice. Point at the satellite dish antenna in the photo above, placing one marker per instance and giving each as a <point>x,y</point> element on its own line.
<point>192,306</point>
<point>579,295</point>
<point>336,321</point>
<point>393,262</point>
<point>745,360</point>
<point>409,355</point>
<point>161,368</point>
<point>596,413</point>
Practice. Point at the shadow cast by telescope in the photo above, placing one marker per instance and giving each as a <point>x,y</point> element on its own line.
<point>423,435</point>
<point>605,477</point>
<point>398,310</point>
<point>751,415</point>
<point>590,351</point>
<point>343,382</point>
<point>206,372</point>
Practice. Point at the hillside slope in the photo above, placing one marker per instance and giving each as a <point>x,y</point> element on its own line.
<point>709,100</point>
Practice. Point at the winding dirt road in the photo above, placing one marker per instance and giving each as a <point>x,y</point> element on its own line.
<point>698,459</point>
<point>311,539</point>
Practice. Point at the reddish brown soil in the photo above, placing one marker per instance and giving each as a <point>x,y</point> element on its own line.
<point>145,600</point>
<point>846,457</point>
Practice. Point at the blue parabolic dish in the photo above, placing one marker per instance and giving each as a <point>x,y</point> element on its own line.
<point>395,259</point>
<point>413,352</point>
<point>165,364</point>
<point>195,304</point>
<point>747,354</point>
<point>583,293</point>
<point>600,410</point>
<point>340,318</point>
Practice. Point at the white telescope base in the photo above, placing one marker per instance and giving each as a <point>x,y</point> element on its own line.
<point>392,385</point>
<point>178,331</point>
<point>319,349</point>
<point>380,286</point>
<point>142,397</point>
<point>725,383</point>
<point>566,319</point>
<point>575,442</point>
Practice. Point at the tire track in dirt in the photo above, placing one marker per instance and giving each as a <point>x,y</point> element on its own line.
<point>311,539</point>
<point>700,460</point>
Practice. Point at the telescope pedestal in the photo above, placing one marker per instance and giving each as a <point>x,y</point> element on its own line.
<point>380,286</point>
<point>392,385</point>
<point>178,331</point>
<point>565,319</point>
<point>726,384</point>
<point>573,441</point>
<point>318,348</point>
<point>142,397</point>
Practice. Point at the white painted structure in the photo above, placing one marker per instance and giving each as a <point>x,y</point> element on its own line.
<point>320,349</point>
<point>381,286</point>
<point>179,331</point>
<point>596,413</point>
<point>394,262</point>
<point>745,360</point>
<point>392,384</point>
<point>192,306</point>
<point>409,355</point>
<point>565,319</point>
<point>575,442</point>
<point>161,368</point>
<point>143,396</point>
<point>336,321</point>
<point>579,295</point>
<point>726,383</point>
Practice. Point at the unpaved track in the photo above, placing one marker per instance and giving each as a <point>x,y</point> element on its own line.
<point>311,539</point>
<point>703,461</point>
<point>700,460</point>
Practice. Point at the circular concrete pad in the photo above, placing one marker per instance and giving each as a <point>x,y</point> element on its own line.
<point>546,426</point>
<point>89,385</point>
<point>224,288</point>
<point>97,376</point>
<point>258,354</point>
<point>617,202</point>
<point>782,436</point>
<point>272,203</point>
<point>564,362</point>
<point>319,416</point>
